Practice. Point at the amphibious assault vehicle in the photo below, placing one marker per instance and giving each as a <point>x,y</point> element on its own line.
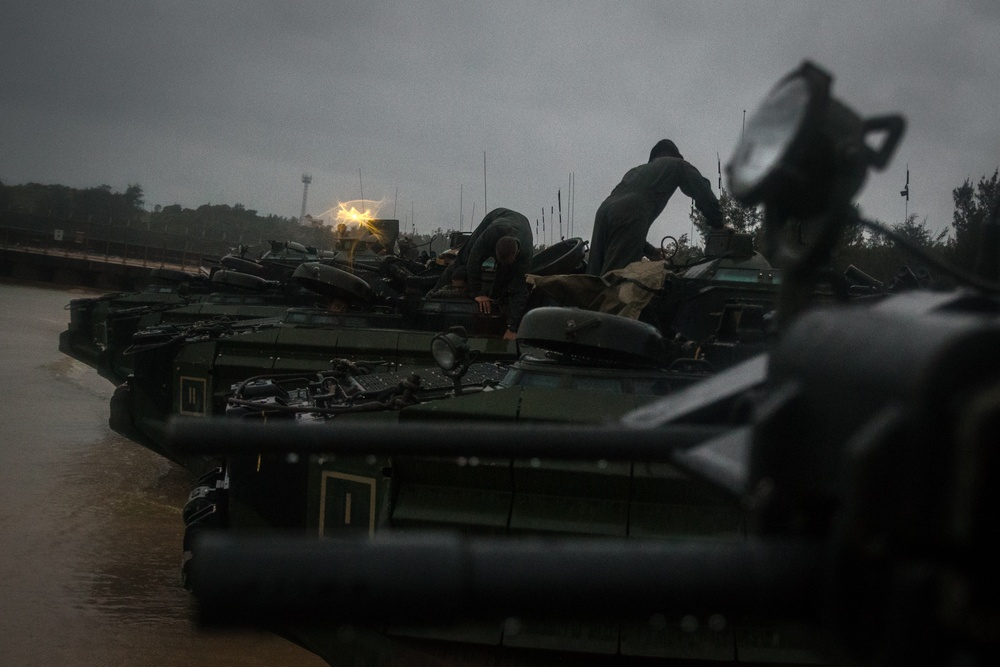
<point>578,367</point>
<point>237,287</point>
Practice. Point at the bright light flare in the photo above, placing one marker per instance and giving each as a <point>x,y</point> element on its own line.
<point>357,213</point>
<point>352,224</point>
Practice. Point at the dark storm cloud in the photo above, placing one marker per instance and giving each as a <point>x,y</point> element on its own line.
<point>229,102</point>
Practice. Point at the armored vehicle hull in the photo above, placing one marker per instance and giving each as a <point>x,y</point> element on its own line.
<point>582,368</point>
<point>190,371</point>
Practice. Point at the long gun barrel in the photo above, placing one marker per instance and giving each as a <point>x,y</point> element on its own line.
<point>445,577</point>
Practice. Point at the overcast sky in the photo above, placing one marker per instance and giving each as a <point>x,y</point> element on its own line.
<point>232,102</point>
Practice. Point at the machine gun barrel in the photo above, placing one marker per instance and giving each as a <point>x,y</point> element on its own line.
<point>244,580</point>
<point>218,437</point>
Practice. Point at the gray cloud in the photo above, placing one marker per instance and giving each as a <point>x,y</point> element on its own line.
<point>231,102</point>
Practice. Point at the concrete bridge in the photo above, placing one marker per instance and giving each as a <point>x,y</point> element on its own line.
<point>111,264</point>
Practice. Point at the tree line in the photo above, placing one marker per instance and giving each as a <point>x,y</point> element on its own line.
<point>101,205</point>
<point>877,254</point>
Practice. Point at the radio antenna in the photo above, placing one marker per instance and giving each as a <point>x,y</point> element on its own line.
<point>559,199</point>
<point>905,192</point>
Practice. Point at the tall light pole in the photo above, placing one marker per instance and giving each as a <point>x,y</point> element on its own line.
<point>306,180</point>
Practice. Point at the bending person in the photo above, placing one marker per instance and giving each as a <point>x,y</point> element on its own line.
<point>623,220</point>
<point>506,236</point>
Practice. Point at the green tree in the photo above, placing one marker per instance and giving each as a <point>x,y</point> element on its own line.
<point>972,205</point>
<point>918,233</point>
<point>134,196</point>
<point>685,253</point>
<point>94,204</point>
<point>745,219</point>
<point>881,257</point>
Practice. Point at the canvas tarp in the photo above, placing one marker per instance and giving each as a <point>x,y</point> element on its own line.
<point>623,292</point>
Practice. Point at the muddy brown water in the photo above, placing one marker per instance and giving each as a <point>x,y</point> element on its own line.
<point>90,522</point>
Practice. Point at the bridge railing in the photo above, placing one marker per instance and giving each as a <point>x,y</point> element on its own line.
<point>111,242</point>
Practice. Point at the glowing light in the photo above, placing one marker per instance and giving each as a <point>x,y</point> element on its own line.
<point>352,224</point>
<point>357,214</point>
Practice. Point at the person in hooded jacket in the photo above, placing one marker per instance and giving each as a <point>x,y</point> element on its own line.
<point>506,236</point>
<point>624,218</point>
